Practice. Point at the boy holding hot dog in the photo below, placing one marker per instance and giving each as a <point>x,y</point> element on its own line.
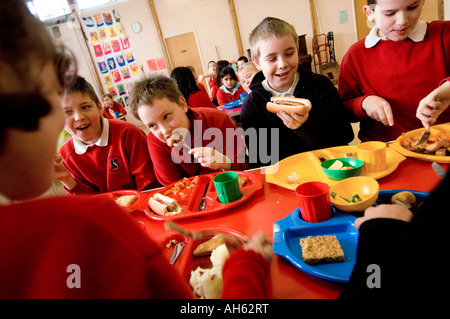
<point>396,79</point>
<point>207,140</point>
<point>274,47</point>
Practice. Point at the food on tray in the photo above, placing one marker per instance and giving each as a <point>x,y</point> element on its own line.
<point>241,181</point>
<point>405,197</point>
<point>351,155</point>
<point>289,104</point>
<point>321,249</point>
<point>338,165</point>
<point>206,248</point>
<point>176,137</point>
<point>437,144</point>
<point>293,179</point>
<point>355,198</point>
<point>164,205</point>
<point>207,283</point>
<point>171,243</point>
<point>182,186</point>
<point>125,200</point>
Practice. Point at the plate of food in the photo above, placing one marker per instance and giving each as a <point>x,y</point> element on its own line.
<point>306,167</point>
<point>200,261</point>
<point>194,197</point>
<point>327,250</point>
<point>436,149</point>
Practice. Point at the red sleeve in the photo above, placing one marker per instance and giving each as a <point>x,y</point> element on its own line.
<point>221,97</point>
<point>444,80</point>
<point>246,276</point>
<point>141,164</point>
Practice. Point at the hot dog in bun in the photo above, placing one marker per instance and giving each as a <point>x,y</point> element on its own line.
<point>164,205</point>
<point>289,104</point>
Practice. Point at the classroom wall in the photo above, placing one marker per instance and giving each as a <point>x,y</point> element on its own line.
<point>212,22</point>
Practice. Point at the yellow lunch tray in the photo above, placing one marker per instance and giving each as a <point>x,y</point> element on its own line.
<point>307,166</point>
<point>417,134</point>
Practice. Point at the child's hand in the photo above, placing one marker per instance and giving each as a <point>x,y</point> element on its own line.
<point>261,245</point>
<point>209,157</point>
<point>293,120</point>
<point>429,109</point>
<point>62,174</point>
<point>385,211</point>
<point>379,109</point>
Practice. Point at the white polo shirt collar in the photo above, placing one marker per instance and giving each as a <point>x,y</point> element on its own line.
<point>81,148</point>
<point>416,35</point>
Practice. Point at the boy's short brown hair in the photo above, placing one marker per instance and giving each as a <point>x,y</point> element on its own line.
<point>267,28</point>
<point>153,86</point>
<point>84,87</point>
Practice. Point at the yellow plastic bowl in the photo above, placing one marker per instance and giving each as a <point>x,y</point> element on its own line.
<point>367,188</point>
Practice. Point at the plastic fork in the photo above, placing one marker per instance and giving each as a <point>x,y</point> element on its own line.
<point>427,133</point>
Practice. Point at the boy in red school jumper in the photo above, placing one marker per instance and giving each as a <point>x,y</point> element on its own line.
<point>210,140</point>
<point>75,246</point>
<point>103,155</point>
<point>396,71</point>
<point>231,89</point>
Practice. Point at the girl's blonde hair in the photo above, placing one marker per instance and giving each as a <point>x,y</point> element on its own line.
<point>267,28</point>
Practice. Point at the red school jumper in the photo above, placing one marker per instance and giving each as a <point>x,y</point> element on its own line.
<point>200,99</point>
<point>50,245</point>
<point>122,164</point>
<point>167,171</point>
<point>225,97</point>
<point>402,73</point>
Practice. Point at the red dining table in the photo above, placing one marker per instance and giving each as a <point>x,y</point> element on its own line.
<point>272,203</point>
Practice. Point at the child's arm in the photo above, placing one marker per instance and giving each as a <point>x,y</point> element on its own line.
<point>434,104</point>
<point>62,175</point>
<point>209,157</point>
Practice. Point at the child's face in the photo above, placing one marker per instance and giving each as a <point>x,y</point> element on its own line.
<point>212,67</point>
<point>395,18</point>
<point>107,101</point>
<point>229,82</point>
<point>164,116</point>
<point>83,117</point>
<point>245,77</point>
<point>278,60</point>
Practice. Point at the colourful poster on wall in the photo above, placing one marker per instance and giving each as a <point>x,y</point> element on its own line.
<point>113,53</point>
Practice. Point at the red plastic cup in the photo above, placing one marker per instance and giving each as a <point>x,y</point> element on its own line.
<point>314,201</point>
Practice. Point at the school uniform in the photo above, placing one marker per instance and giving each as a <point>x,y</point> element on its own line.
<point>401,72</point>
<point>89,247</point>
<point>327,124</point>
<point>173,163</point>
<point>200,99</point>
<point>118,160</point>
<point>224,95</point>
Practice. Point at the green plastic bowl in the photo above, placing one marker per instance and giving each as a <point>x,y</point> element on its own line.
<point>355,169</point>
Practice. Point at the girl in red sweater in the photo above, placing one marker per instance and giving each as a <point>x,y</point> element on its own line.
<point>83,246</point>
<point>231,89</point>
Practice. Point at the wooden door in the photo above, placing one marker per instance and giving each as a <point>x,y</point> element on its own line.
<point>432,10</point>
<point>183,51</point>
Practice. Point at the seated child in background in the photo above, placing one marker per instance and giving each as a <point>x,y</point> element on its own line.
<point>103,155</point>
<point>231,89</point>
<point>211,74</point>
<point>112,107</point>
<point>194,96</point>
<point>246,72</point>
<point>194,73</point>
<point>220,65</point>
<point>274,46</point>
<point>210,141</point>
<point>241,61</point>
<point>388,81</point>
